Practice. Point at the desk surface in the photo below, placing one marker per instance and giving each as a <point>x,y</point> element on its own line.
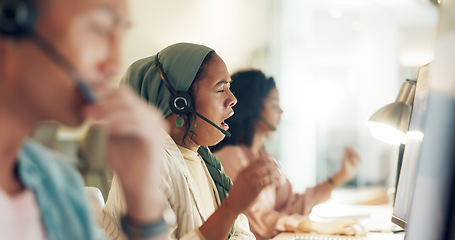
<point>369,236</point>
<point>376,219</point>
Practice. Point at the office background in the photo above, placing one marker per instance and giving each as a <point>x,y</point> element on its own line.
<point>335,63</point>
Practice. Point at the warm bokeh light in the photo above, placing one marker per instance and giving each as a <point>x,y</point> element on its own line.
<point>387,133</point>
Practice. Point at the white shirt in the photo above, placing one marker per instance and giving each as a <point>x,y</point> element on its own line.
<point>204,187</point>
<point>20,217</point>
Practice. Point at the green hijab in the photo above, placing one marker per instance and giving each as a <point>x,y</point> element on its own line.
<point>181,63</point>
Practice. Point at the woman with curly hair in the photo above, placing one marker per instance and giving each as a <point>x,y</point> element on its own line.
<point>277,208</point>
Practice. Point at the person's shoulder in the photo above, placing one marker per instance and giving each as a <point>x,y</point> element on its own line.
<point>54,179</point>
<point>229,149</point>
<point>47,163</point>
<point>169,147</point>
<point>230,154</point>
<point>173,163</point>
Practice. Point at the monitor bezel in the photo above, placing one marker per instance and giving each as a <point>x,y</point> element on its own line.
<point>421,84</point>
<point>398,221</point>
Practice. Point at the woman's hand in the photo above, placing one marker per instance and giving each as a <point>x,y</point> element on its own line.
<point>343,227</point>
<point>349,166</point>
<point>134,137</point>
<point>247,186</point>
<point>250,182</point>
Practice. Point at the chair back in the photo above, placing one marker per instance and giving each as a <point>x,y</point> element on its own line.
<point>96,203</point>
<point>93,148</point>
<point>46,134</point>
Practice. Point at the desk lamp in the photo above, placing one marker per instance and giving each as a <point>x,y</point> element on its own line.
<point>390,123</point>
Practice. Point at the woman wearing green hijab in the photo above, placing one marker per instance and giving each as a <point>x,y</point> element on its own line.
<point>193,180</point>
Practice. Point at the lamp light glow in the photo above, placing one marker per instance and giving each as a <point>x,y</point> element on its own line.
<point>391,122</point>
<point>387,133</point>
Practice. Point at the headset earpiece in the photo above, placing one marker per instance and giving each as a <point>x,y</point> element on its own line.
<point>181,103</point>
<point>17,17</point>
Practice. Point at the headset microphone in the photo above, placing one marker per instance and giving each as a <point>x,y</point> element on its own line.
<point>213,124</point>
<point>181,102</point>
<point>81,86</point>
<point>18,19</point>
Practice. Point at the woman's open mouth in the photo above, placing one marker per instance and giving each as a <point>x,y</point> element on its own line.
<point>224,125</point>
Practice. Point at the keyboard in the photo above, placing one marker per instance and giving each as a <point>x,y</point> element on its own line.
<point>316,237</point>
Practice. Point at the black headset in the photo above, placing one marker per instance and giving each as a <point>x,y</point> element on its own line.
<point>181,102</point>
<point>18,18</point>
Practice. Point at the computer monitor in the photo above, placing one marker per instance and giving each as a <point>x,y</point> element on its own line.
<point>433,204</point>
<point>408,165</point>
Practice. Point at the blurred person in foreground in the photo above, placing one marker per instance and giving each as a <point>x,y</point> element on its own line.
<point>55,59</point>
<point>278,208</point>
<point>193,181</point>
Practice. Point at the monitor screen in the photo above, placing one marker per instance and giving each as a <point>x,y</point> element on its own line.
<point>414,139</point>
<point>433,204</point>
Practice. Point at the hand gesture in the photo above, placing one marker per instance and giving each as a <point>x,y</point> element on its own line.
<point>349,166</point>
<point>250,182</point>
<point>134,136</point>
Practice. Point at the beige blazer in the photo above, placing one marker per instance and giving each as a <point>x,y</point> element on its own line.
<point>177,185</point>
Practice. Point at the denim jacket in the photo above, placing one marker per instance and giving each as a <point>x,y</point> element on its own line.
<point>59,191</point>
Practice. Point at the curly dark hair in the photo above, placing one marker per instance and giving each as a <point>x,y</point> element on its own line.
<point>250,87</point>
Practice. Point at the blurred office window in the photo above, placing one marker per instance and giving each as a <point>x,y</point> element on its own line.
<point>339,62</point>
<point>239,31</point>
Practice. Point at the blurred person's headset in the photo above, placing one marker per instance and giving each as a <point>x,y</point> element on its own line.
<point>18,19</point>
<point>181,102</point>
